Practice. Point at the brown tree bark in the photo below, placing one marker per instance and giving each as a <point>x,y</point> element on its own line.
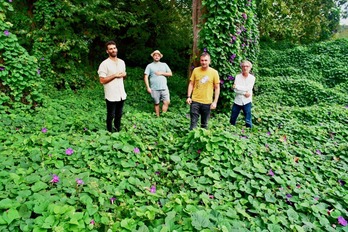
<point>197,12</point>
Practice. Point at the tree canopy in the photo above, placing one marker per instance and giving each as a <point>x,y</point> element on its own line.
<point>299,21</point>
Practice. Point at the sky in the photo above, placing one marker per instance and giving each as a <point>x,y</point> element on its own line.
<point>344,21</point>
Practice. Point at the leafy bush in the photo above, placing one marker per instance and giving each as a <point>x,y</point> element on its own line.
<point>20,80</point>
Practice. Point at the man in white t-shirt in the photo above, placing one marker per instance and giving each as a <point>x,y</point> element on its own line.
<point>243,87</point>
<point>112,72</point>
<point>157,87</point>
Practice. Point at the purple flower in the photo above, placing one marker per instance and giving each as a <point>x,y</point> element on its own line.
<point>79,182</point>
<point>318,152</point>
<point>157,173</point>
<point>134,126</point>
<point>44,130</point>
<point>6,32</point>
<point>316,198</point>
<point>69,151</point>
<point>222,82</point>
<point>9,0</point>
<point>268,133</point>
<point>341,182</point>
<point>342,221</point>
<point>231,78</point>
<point>205,50</point>
<point>136,150</point>
<point>92,222</point>
<point>288,196</point>
<point>199,151</point>
<point>112,200</point>
<point>211,196</point>
<point>55,179</point>
<point>244,16</point>
<point>270,172</point>
<point>2,68</point>
<point>153,189</point>
<point>42,58</point>
<point>85,129</point>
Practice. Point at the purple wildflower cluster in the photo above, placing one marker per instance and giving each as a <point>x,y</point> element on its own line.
<point>136,150</point>
<point>153,189</point>
<point>69,151</point>
<point>55,179</point>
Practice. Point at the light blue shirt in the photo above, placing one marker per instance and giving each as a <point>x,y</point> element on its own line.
<point>157,82</point>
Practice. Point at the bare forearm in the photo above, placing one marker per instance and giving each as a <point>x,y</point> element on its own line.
<point>105,80</point>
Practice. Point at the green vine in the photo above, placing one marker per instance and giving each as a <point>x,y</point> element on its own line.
<point>20,80</point>
<point>230,35</point>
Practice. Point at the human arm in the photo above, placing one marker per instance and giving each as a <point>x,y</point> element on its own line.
<point>166,74</point>
<point>105,80</point>
<point>189,92</point>
<point>146,80</point>
<point>216,96</point>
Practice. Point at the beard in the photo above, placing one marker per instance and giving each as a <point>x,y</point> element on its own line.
<point>113,54</point>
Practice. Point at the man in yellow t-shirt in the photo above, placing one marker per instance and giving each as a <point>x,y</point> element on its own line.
<point>204,83</point>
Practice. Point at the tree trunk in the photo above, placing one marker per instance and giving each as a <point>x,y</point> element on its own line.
<point>197,13</point>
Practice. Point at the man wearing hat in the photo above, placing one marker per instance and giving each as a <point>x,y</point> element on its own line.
<point>157,87</point>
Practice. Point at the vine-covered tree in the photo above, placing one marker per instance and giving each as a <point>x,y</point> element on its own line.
<point>228,31</point>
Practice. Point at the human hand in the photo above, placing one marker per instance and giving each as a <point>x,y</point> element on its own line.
<point>149,90</point>
<point>158,73</point>
<point>234,86</point>
<point>189,100</point>
<point>247,94</point>
<point>213,106</point>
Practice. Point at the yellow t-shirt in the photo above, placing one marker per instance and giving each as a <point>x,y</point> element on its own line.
<point>203,84</point>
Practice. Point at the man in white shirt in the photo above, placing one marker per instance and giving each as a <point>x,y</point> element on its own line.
<point>111,72</point>
<point>243,87</point>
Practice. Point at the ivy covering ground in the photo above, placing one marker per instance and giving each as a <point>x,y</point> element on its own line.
<point>61,171</point>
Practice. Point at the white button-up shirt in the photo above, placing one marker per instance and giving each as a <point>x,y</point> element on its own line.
<point>243,85</point>
<point>114,90</point>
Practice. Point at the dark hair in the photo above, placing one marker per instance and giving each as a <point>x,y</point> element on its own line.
<point>109,43</point>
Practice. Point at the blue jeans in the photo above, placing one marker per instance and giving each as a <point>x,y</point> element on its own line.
<point>247,113</point>
<point>198,109</point>
<point>114,114</point>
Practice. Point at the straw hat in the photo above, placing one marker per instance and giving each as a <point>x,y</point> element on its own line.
<point>157,52</point>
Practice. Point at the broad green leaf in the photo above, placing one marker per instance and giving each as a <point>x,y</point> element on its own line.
<point>38,186</point>
<point>200,220</point>
<point>6,204</point>
<point>10,215</point>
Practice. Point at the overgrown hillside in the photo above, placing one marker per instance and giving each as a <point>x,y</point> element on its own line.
<point>62,171</point>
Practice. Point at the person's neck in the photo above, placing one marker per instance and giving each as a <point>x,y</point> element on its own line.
<point>113,58</point>
<point>204,68</point>
<point>245,75</point>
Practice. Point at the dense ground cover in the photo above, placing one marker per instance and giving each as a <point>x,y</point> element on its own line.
<point>61,171</point>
